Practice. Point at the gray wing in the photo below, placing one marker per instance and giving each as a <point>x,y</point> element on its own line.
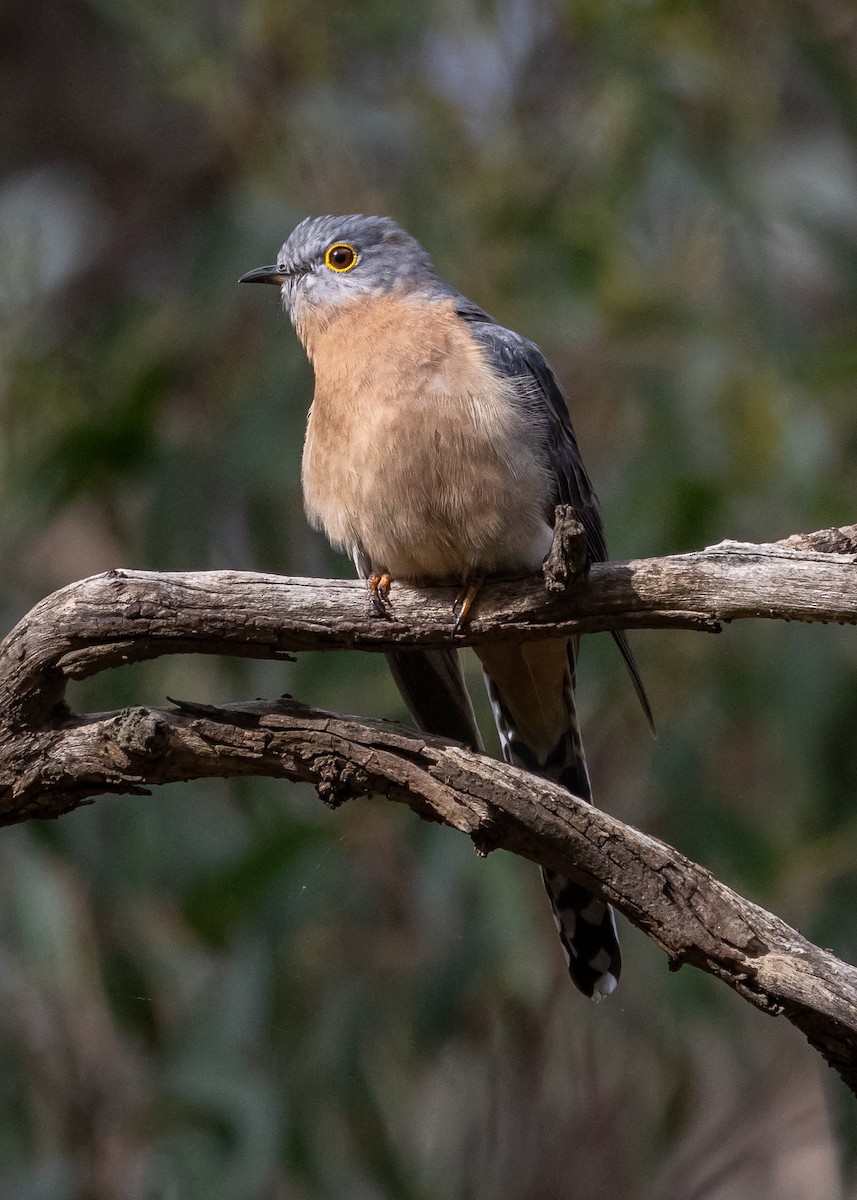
<point>515,357</point>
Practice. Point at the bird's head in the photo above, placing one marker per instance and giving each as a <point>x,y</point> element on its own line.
<point>330,261</point>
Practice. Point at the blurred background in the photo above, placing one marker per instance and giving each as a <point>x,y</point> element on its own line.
<point>225,991</point>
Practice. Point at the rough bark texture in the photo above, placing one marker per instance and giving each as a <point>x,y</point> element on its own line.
<point>52,760</point>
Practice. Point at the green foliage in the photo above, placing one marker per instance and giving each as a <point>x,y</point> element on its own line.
<point>225,991</point>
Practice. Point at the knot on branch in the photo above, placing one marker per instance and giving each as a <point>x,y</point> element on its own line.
<point>487,836</point>
<point>339,780</point>
<point>568,558</point>
<point>140,731</point>
<point>769,1004</point>
<point>755,947</point>
<point>842,540</point>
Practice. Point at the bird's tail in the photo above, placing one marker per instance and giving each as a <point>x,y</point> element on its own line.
<point>531,686</point>
<point>432,686</point>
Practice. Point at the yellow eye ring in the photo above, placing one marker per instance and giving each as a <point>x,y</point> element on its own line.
<point>340,257</point>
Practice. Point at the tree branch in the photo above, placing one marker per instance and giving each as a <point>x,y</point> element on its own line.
<point>52,760</point>
<point>126,616</point>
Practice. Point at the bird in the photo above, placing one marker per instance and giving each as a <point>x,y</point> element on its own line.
<point>438,445</point>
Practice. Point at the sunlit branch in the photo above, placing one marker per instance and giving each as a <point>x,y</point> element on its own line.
<point>52,760</point>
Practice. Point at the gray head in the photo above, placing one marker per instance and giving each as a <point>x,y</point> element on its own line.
<point>331,260</point>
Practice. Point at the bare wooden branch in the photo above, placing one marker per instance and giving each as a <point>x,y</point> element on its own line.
<point>52,760</point>
<point>679,904</point>
<point>127,616</point>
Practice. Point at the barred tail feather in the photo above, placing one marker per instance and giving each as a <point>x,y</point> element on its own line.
<point>587,930</point>
<point>531,688</point>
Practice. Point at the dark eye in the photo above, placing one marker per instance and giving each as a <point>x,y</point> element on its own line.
<point>340,257</point>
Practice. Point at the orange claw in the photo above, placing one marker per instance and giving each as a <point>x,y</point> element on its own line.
<point>379,591</point>
<point>466,602</point>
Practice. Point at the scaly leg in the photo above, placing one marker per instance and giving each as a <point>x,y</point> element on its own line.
<point>464,604</point>
<point>379,591</point>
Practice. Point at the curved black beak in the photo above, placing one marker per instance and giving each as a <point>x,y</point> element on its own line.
<point>271,274</point>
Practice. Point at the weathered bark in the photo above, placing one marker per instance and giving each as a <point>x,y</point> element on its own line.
<point>52,760</point>
<point>126,616</point>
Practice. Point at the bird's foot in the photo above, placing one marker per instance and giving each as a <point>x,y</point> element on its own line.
<point>379,591</point>
<point>464,605</point>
